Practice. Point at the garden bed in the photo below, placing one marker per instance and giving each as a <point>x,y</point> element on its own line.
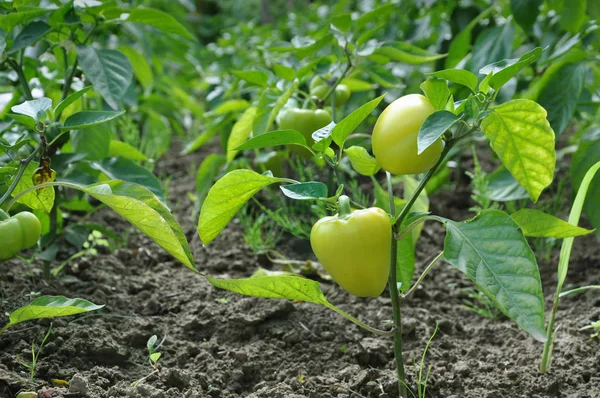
<point>219,344</point>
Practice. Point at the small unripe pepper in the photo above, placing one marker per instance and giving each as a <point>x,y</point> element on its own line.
<point>19,232</point>
<point>355,248</point>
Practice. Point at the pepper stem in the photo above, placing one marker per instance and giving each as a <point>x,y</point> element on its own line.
<point>345,209</point>
<point>3,215</point>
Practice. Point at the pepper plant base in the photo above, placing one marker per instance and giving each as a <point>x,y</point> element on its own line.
<point>224,345</point>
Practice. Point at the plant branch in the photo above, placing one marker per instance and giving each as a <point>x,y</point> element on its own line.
<point>423,275</point>
<point>393,287</point>
<point>22,78</point>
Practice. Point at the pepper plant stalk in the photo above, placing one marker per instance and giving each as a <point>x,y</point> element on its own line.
<point>392,281</point>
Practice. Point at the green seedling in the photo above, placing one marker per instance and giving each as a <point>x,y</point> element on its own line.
<point>420,368</point>
<point>35,354</point>
<point>153,358</point>
<point>595,327</point>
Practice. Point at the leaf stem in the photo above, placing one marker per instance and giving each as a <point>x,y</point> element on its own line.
<point>22,78</point>
<point>423,275</point>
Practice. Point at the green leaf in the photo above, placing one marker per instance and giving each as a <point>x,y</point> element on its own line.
<point>85,119</point>
<point>560,96</point>
<point>274,138</point>
<point>434,127</point>
<point>29,35</point>
<point>231,106</point>
<point>208,170</point>
<point>282,287</point>
<point>374,15</point>
<point>305,190</point>
<point>356,85</point>
<point>584,159</point>
<point>269,105</point>
<point>226,198</point>
<point>146,212</point>
<point>206,135</point>
<point>565,250</point>
<point>119,148</point>
<point>155,356</point>
<point>240,132</point>
<point>141,68</point>
<point>254,77</point>
<point>538,224</point>
<point>109,70</point>
<point>160,20</point>
<point>41,199</point>
<point>347,125</point>
<point>506,69</point>
<point>437,91</point>
<point>492,251</point>
<point>523,139</point>
<point>502,187</point>
<point>25,120</point>
<point>493,44</point>
<point>50,307</point>
<point>10,20</point>
<point>461,43</point>
<point>70,99</point>
<point>525,12</point>
<point>573,15</point>
<point>458,76</point>
<point>284,72</point>
<point>362,162</point>
<point>93,142</point>
<point>407,53</point>
<point>127,170</point>
<point>35,109</point>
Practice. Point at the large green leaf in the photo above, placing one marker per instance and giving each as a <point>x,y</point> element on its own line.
<point>523,139</point>
<point>284,287</point>
<point>240,132</point>
<point>10,20</point>
<point>525,12</point>
<point>407,53</point>
<point>361,161</point>
<point>542,225</point>
<point>560,96</point>
<point>269,105</point>
<point>207,171</point>
<point>35,109</point>
<point>461,43</point>
<point>160,20</point>
<point>437,91</point>
<point>586,156</point>
<point>141,68</point>
<point>93,142</point>
<point>146,212</point>
<point>492,251</point>
<point>274,138</point>
<point>458,76</point>
<point>64,104</point>
<point>347,125</point>
<point>128,170</point>
<point>433,128</point>
<point>493,44</point>
<point>50,307</point>
<point>227,197</point>
<point>85,119</point>
<point>506,69</point>
<point>29,35</point>
<point>42,199</point>
<point>109,70</point>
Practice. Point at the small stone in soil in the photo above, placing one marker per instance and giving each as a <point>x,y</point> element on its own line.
<point>78,385</point>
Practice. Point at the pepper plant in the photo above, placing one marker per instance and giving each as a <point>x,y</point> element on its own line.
<point>360,248</point>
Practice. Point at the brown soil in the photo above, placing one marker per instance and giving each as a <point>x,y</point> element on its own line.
<point>224,345</point>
